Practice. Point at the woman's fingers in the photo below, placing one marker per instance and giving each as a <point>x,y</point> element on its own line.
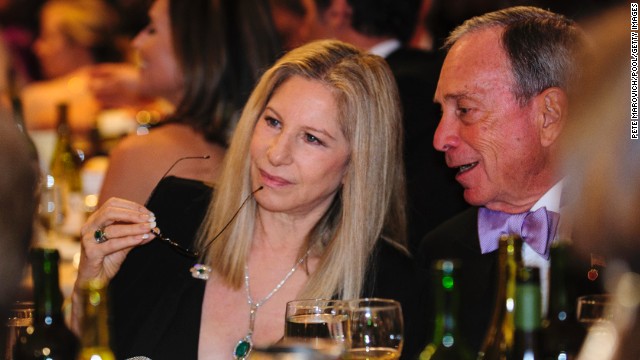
<point>110,233</point>
<point>117,211</point>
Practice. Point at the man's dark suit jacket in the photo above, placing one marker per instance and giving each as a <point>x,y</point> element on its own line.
<point>458,238</point>
<point>433,194</point>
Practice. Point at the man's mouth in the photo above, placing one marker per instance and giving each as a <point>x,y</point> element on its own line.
<point>466,167</point>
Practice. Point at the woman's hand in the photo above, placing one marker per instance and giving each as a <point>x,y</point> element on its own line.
<point>125,224</point>
<point>116,85</point>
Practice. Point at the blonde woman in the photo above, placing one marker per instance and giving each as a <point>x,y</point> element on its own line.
<point>309,205</point>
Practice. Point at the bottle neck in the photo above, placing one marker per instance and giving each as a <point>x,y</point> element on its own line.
<point>63,130</point>
<point>446,307</point>
<point>46,287</point>
<point>527,307</point>
<point>559,294</point>
<point>510,260</point>
<point>95,329</point>
<point>499,338</point>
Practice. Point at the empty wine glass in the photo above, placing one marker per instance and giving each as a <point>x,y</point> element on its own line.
<point>376,329</point>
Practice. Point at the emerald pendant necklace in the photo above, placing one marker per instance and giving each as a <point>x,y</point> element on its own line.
<point>245,345</point>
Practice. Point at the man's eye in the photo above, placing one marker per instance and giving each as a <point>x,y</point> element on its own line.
<point>461,111</point>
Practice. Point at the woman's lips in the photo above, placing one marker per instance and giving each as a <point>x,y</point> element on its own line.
<point>273,181</point>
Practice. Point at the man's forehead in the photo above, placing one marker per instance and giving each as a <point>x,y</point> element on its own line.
<point>475,63</point>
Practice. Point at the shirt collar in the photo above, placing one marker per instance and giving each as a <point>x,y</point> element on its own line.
<point>551,199</point>
<point>385,48</point>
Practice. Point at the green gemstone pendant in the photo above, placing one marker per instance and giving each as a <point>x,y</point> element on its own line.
<point>242,350</point>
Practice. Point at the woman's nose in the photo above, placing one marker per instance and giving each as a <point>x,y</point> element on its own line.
<point>279,152</point>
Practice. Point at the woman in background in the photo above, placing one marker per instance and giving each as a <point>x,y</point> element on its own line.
<point>74,35</point>
<point>204,56</point>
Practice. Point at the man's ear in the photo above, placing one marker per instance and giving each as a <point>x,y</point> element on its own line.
<point>552,105</point>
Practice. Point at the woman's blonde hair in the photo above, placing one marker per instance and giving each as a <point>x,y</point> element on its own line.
<point>370,204</point>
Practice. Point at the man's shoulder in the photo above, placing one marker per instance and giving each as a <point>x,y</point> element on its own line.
<point>460,224</point>
<point>454,237</point>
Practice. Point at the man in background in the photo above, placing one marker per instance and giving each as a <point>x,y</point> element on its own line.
<point>384,28</point>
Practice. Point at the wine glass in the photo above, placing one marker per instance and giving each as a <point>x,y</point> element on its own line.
<point>50,211</point>
<point>319,323</point>
<point>376,329</point>
<point>595,309</point>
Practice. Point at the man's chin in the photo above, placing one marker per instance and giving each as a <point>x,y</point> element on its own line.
<point>473,198</point>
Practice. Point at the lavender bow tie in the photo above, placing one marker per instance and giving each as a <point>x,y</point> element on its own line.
<point>536,228</point>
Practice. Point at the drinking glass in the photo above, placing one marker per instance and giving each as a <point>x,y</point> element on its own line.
<point>20,317</point>
<point>318,322</point>
<point>595,309</point>
<point>376,329</point>
<point>50,212</point>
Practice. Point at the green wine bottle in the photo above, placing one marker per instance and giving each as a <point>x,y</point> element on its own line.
<point>499,339</point>
<point>447,343</point>
<point>528,320</point>
<point>562,333</point>
<point>94,342</point>
<point>48,338</point>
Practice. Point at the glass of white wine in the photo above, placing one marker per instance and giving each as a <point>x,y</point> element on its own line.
<point>319,323</point>
<point>376,330</point>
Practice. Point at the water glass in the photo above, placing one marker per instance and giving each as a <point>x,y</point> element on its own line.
<point>20,317</point>
<point>316,321</point>
<point>376,329</point>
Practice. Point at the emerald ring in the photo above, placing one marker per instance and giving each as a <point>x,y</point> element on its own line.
<point>100,235</point>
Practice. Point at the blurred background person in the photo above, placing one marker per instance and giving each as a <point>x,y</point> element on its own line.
<point>204,57</point>
<point>294,21</point>
<point>384,28</point>
<point>603,163</point>
<point>74,34</point>
<point>19,29</point>
<point>18,181</point>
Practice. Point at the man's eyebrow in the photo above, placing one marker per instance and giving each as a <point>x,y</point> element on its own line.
<point>454,96</point>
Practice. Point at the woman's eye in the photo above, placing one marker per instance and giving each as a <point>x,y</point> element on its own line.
<point>312,139</point>
<point>272,121</point>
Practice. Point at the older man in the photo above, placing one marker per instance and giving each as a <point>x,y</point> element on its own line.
<point>503,90</point>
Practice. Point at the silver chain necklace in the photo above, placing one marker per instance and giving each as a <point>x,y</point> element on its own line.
<point>245,345</point>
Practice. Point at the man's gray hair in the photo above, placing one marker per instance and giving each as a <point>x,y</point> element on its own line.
<point>542,46</point>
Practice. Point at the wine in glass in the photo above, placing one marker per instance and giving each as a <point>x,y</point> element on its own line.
<point>319,323</point>
<point>376,330</point>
